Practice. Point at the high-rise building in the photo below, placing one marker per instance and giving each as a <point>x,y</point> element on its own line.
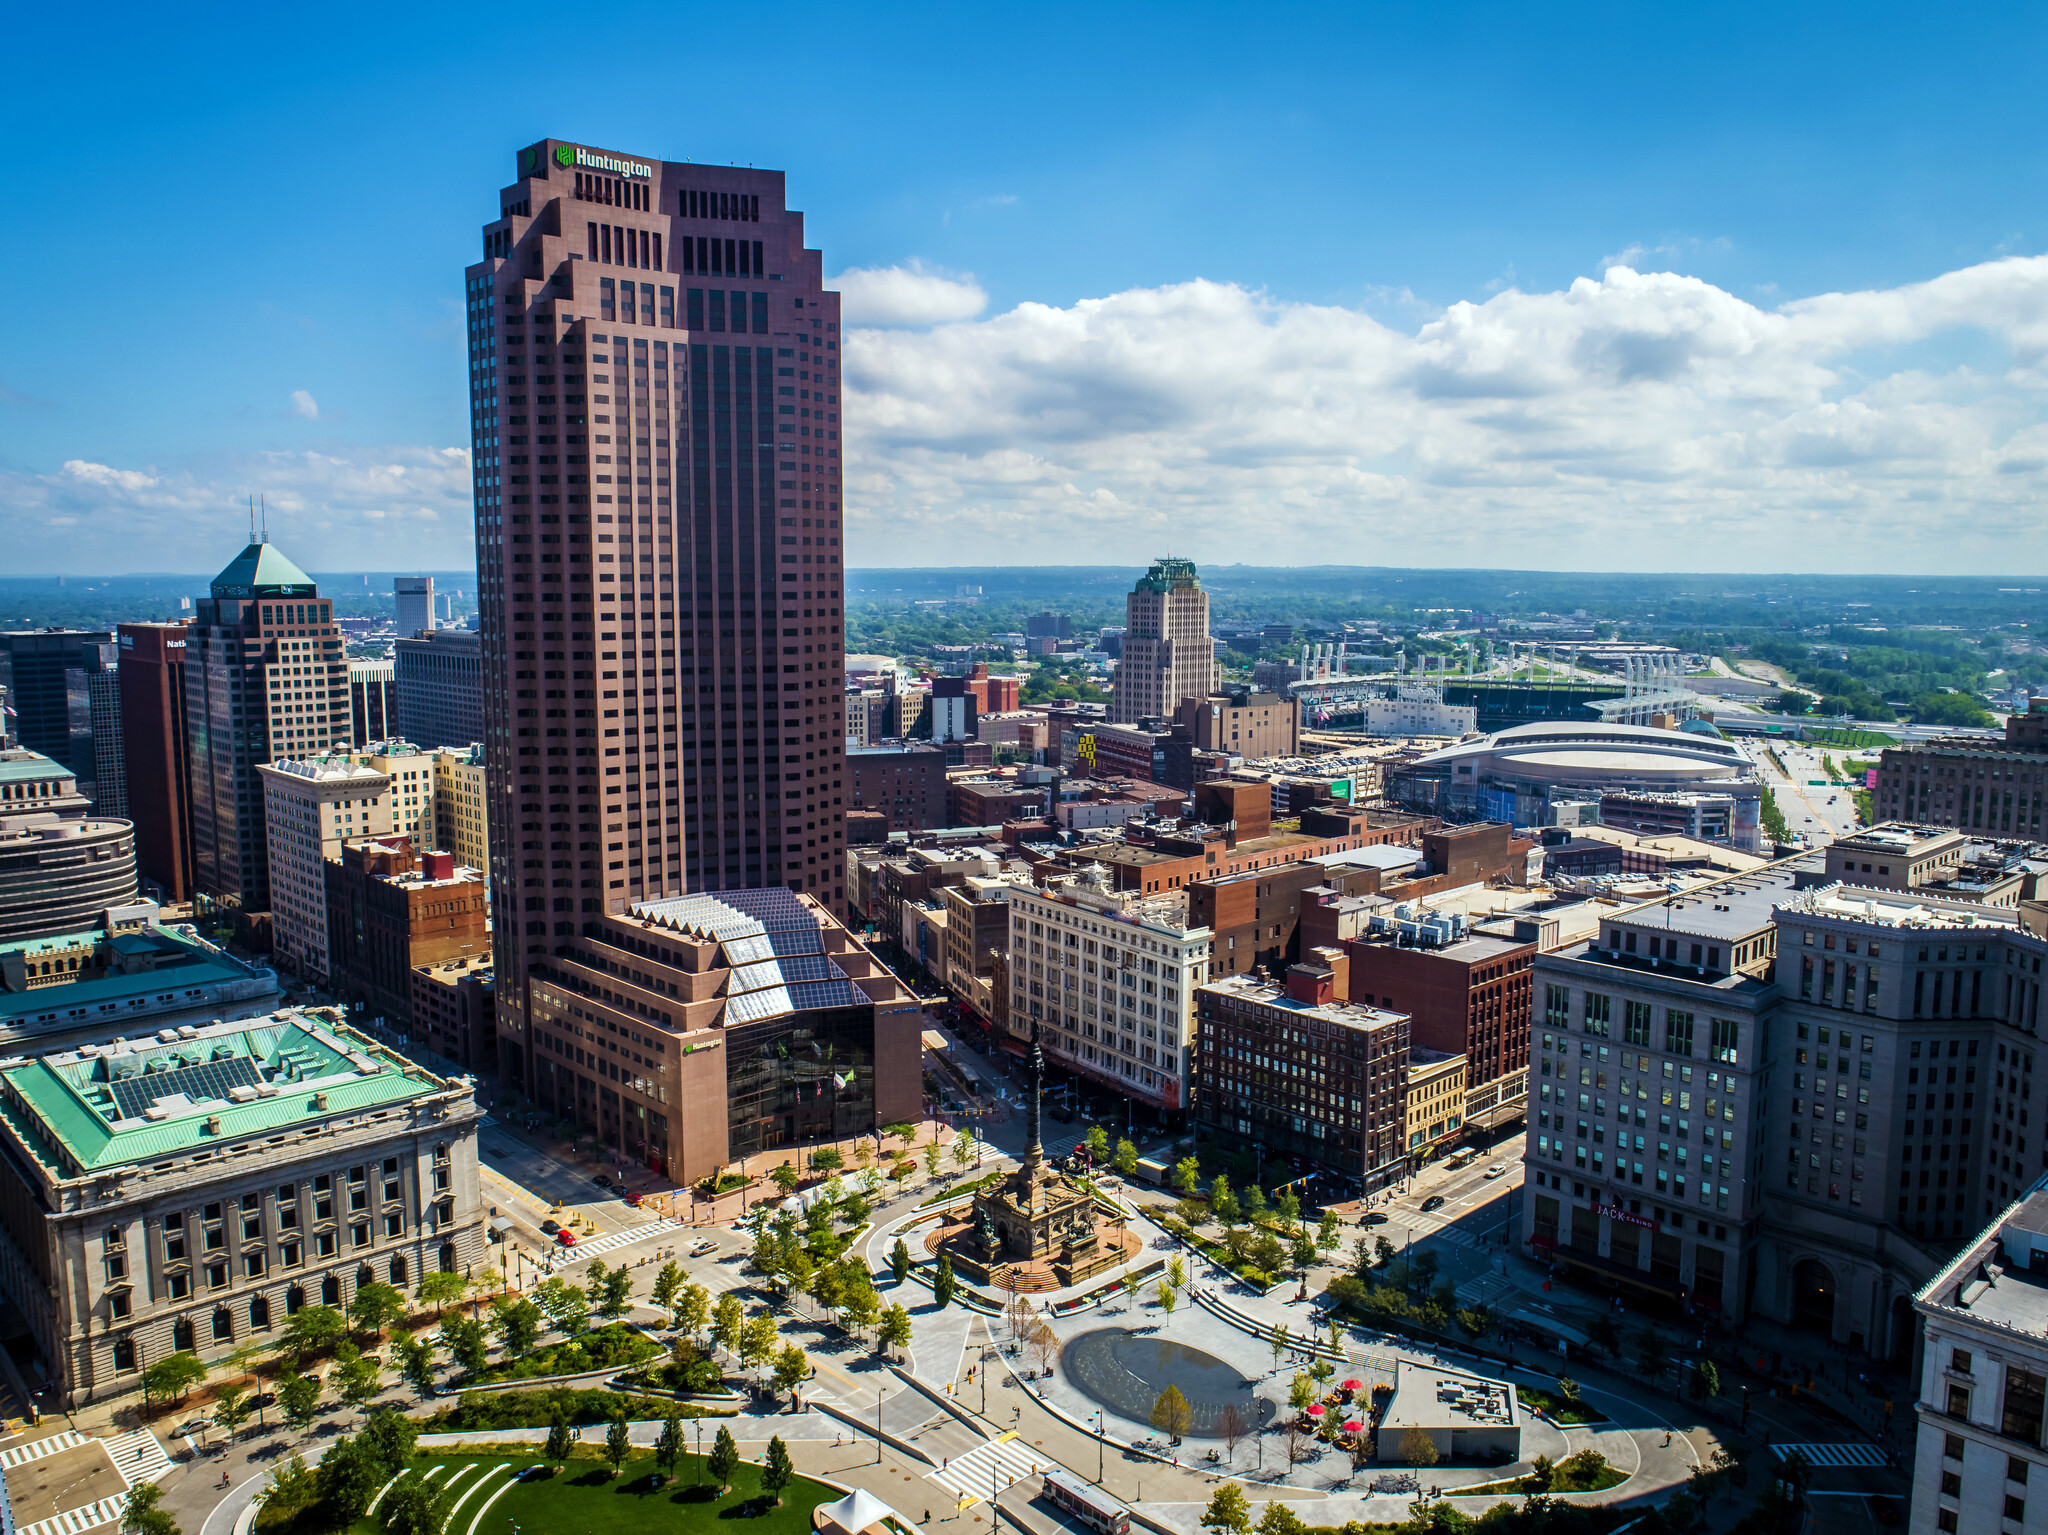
<point>156,770</point>
<point>414,597</point>
<point>462,822</point>
<point>265,678</point>
<point>312,806</point>
<point>33,663</point>
<point>390,909</point>
<point>440,687</point>
<point>59,870</point>
<point>372,700</point>
<point>654,371</point>
<point>1981,784</point>
<point>93,694</point>
<point>1167,653</point>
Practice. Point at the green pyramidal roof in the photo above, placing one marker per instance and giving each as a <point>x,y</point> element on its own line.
<point>261,570</point>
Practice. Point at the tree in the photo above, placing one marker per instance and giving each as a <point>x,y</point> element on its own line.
<point>565,1306</point>
<point>1231,1427</point>
<point>355,1375</point>
<point>376,1306</point>
<point>441,1288</point>
<point>141,1512</point>
<point>172,1376</point>
<point>692,1309</point>
<point>1166,1299</point>
<point>1267,1252</point>
<point>963,1151</point>
<point>728,1321</point>
<point>1604,1335</point>
<point>1126,1161</point>
<point>893,1330</point>
<point>1278,1518</point>
<point>1254,1200</point>
<point>1131,1284</point>
<point>942,1286</point>
<point>1475,1321</point>
<point>466,1346</point>
<point>1327,1234</point>
<point>1583,1471</point>
<point>617,1297</point>
<point>725,1459</point>
<point>668,1285</point>
<point>1568,1388</point>
<point>231,1408</point>
<point>1044,1344</point>
<point>931,1158</point>
<point>1289,1206</point>
<point>290,1490</point>
<point>899,1260</point>
<point>518,1323</point>
<point>299,1398</point>
<point>668,1449</point>
<point>776,1469</point>
<point>859,1306</point>
<point>1282,1339</point>
<point>415,1360</point>
<point>1417,1448</point>
<point>1228,1513</point>
<point>1651,1357</point>
<point>863,1153</point>
<point>1222,1201</point>
<point>1302,1249</point>
<point>1706,1380</point>
<point>1186,1176</point>
<point>1176,1272</point>
<point>1300,1392</point>
<point>557,1448</point>
<point>792,1368</point>
<point>347,1478</point>
<point>1171,1413</point>
<point>757,1341</point>
<point>786,1177</point>
<point>1542,1475</point>
<point>1097,1142</point>
<point>827,1159</point>
<point>415,1507</point>
<point>618,1441</point>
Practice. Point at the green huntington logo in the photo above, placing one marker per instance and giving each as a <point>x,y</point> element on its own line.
<point>564,156</point>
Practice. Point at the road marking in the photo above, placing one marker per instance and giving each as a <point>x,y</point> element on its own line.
<point>139,1456</point>
<point>73,1521</point>
<point>21,1454</point>
<point>1834,1454</point>
<point>592,1247</point>
<point>990,1468</point>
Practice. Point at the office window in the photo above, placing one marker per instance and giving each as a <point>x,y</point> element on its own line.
<point>2025,1394</point>
<point>1677,1031</point>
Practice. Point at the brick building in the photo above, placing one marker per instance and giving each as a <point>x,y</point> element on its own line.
<point>1244,723</point>
<point>454,1009</point>
<point>1344,1103</point>
<point>390,910</point>
<point>1468,998</point>
<point>1973,784</point>
<point>906,780</point>
<point>157,763</point>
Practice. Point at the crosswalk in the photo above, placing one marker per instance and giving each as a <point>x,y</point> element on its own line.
<point>139,1456</point>
<point>21,1454</point>
<point>611,1241</point>
<point>1834,1454</point>
<point>74,1521</point>
<point>989,1468</point>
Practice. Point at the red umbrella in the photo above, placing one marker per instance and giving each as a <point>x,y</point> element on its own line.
<point>1315,1409</point>
<point>1354,1426</point>
<point>1352,1385</point>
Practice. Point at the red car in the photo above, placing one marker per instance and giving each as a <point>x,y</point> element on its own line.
<point>566,1238</point>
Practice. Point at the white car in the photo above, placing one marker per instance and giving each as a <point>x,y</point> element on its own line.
<point>1499,1169</point>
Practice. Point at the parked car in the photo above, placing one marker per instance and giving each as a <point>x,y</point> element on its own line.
<point>566,1238</point>
<point>549,1228</point>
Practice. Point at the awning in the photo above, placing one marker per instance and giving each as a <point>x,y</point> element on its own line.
<point>1619,1273</point>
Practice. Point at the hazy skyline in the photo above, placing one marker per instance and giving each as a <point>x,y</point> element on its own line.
<point>1389,286</point>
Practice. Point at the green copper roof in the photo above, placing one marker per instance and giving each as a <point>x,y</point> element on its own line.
<point>1169,574</point>
<point>147,1098</point>
<point>261,570</point>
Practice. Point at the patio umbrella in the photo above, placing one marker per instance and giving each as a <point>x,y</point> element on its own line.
<point>1315,1409</point>
<point>1354,1426</point>
<point>1352,1385</point>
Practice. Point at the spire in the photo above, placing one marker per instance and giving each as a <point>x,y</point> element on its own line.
<point>1034,1147</point>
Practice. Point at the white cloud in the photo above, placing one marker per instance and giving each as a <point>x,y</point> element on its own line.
<point>1641,419</point>
<point>344,508</point>
<point>303,404</point>
<point>907,295</point>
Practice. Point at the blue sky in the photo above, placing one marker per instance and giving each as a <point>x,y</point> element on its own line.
<point>1198,266</point>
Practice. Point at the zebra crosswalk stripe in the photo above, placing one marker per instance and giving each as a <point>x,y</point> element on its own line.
<point>75,1521</point>
<point>592,1247</point>
<point>1834,1454</point>
<point>21,1454</point>
<point>990,1468</point>
<point>139,1456</point>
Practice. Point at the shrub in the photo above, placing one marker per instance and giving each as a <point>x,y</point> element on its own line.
<point>479,1410</point>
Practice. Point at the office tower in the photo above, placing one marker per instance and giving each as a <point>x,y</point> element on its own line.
<point>1167,653</point>
<point>311,806</point>
<point>372,701</point>
<point>93,697</point>
<point>414,596</point>
<point>264,679</point>
<point>59,870</point>
<point>1054,626</point>
<point>656,436</point>
<point>32,667</point>
<point>155,766</point>
<point>439,679</point>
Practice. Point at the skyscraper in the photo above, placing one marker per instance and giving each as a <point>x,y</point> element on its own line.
<point>414,596</point>
<point>439,686</point>
<point>92,686</point>
<point>155,767</point>
<point>1167,652</point>
<point>658,545</point>
<point>33,663</point>
<point>265,677</point>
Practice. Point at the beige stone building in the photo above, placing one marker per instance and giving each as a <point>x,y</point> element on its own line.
<point>1167,652</point>
<point>461,821</point>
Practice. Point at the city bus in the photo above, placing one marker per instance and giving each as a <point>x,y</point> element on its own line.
<point>1091,1505</point>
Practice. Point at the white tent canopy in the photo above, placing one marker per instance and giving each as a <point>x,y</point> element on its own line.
<point>856,1511</point>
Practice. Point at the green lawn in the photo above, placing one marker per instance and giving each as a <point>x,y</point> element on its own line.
<point>1563,1408</point>
<point>614,1346</point>
<point>586,1499</point>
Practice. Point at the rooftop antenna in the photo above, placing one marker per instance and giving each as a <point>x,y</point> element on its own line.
<point>265,500</point>
<point>252,519</point>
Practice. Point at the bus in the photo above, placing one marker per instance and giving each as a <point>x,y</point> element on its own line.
<point>1091,1505</point>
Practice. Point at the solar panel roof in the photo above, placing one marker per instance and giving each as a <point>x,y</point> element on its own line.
<point>207,1079</point>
